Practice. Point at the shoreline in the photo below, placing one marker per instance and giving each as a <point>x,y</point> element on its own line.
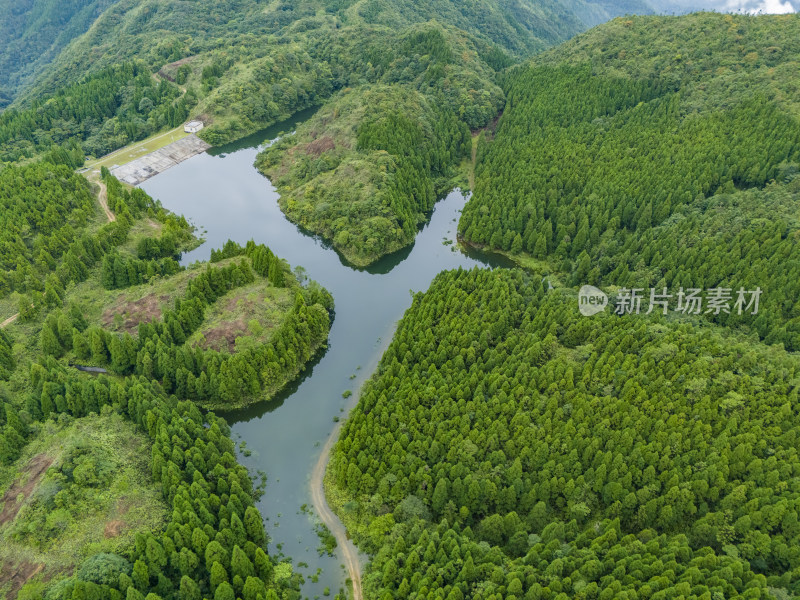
<point>353,558</point>
<point>153,163</point>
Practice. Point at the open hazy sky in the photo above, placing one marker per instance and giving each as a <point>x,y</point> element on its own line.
<point>766,6</point>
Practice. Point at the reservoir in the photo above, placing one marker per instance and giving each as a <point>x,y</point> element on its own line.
<point>221,192</point>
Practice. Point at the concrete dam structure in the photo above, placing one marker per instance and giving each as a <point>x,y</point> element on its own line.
<point>141,169</point>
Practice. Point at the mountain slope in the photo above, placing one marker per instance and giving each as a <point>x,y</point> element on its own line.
<point>242,65</point>
<point>611,134</point>
<point>509,447</point>
<point>365,170</point>
<point>34,32</point>
<point>162,31</point>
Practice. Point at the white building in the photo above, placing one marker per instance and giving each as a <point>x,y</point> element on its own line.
<point>193,126</point>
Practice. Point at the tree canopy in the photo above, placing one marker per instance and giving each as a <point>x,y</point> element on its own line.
<point>509,447</point>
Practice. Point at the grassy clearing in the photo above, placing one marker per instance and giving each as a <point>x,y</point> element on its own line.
<point>241,319</point>
<point>123,310</point>
<point>244,318</point>
<point>91,493</point>
<point>108,308</point>
<point>133,151</point>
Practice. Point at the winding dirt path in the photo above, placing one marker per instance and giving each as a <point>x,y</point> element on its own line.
<point>349,552</point>
<point>102,197</point>
<point>9,320</point>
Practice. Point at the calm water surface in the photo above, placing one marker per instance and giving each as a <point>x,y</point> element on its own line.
<point>222,192</point>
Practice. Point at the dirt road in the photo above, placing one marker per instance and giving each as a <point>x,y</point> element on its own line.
<point>9,320</point>
<point>473,160</point>
<point>348,549</point>
<point>102,197</point>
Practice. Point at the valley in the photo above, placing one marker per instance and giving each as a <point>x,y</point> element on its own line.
<point>337,347</point>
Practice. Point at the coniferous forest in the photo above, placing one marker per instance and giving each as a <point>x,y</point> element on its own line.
<point>690,137</point>
<point>199,534</point>
<point>507,445</point>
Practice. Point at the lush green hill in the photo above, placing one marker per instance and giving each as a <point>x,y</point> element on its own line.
<point>160,509</point>
<point>162,31</point>
<point>34,32</point>
<point>251,63</point>
<point>745,239</point>
<point>100,113</point>
<point>638,121</point>
<point>82,492</point>
<point>509,447</point>
<point>594,13</point>
<point>364,171</point>
<point>242,65</point>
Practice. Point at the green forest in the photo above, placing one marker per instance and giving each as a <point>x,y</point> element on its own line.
<point>689,137</point>
<point>53,234</point>
<point>190,527</point>
<point>211,378</point>
<point>242,66</point>
<point>34,32</point>
<point>508,447</point>
<point>147,66</point>
<point>102,112</point>
<point>212,542</point>
<point>164,31</point>
<point>368,167</point>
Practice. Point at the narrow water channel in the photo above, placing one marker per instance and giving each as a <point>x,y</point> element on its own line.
<point>223,193</point>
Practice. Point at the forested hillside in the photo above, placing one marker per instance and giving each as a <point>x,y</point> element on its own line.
<point>637,125</point>
<point>52,235</point>
<point>365,170</point>
<point>746,239</point>
<point>242,65</point>
<point>213,542</point>
<point>160,32</point>
<point>509,447</point>
<point>245,64</point>
<point>186,524</point>
<point>98,114</point>
<point>34,32</point>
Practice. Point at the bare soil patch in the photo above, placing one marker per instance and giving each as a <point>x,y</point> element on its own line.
<point>320,145</point>
<point>179,63</point>
<point>102,197</point>
<point>168,70</point>
<point>35,469</point>
<point>139,311</point>
<point>114,528</point>
<point>224,336</point>
<point>9,320</point>
<point>18,575</point>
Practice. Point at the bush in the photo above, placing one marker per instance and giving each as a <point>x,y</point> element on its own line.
<point>104,569</point>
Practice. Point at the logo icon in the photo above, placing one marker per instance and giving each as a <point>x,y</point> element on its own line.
<point>591,300</point>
